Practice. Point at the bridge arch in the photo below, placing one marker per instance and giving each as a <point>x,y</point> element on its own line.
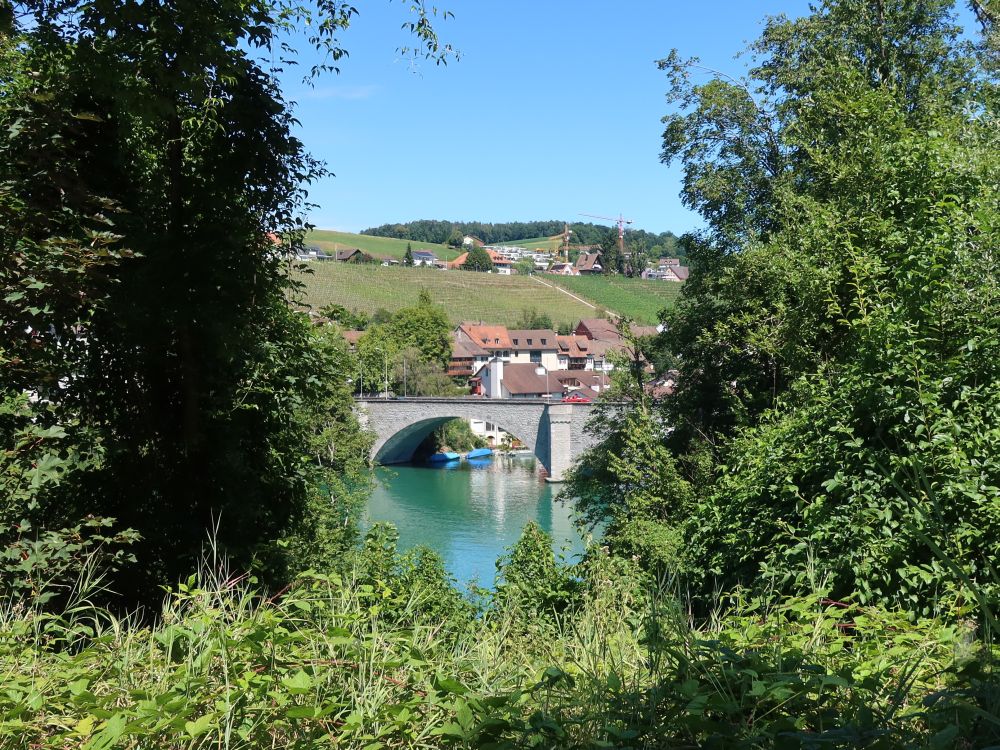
<point>400,446</point>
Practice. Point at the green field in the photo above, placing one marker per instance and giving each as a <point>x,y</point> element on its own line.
<point>638,299</point>
<point>463,294</point>
<point>381,247</point>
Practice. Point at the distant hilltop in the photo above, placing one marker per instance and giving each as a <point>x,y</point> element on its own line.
<point>453,233</point>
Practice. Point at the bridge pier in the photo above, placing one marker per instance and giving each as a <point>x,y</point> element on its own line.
<point>561,452</point>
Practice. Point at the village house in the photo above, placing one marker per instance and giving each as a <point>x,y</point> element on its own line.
<point>537,346</point>
<point>499,379</point>
<point>588,264</point>
<point>423,258</point>
<point>352,339</point>
<point>466,356</point>
<point>352,255</point>
<point>564,269</point>
<point>667,269</point>
<point>495,340</point>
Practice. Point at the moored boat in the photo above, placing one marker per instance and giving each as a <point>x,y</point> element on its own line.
<point>479,453</point>
<point>445,457</point>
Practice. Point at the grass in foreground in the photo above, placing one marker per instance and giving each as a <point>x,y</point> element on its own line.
<point>464,295</point>
<point>379,659</point>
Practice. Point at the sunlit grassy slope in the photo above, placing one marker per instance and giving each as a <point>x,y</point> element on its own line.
<point>386,247</point>
<point>638,299</point>
<point>465,295</point>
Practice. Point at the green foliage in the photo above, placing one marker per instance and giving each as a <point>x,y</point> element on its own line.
<point>530,580</point>
<point>454,238</point>
<point>454,435</point>
<point>523,233</point>
<point>420,336</point>
<point>532,319</point>
<point>836,341</point>
<point>351,321</point>
<point>478,260</point>
<point>391,653</point>
<point>525,267</point>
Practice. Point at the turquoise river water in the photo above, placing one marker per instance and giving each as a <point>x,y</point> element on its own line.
<point>471,512</point>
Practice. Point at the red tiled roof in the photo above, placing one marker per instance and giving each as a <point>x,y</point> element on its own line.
<point>574,346</point>
<point>488,337</point>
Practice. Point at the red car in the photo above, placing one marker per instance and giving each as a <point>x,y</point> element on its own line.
<point>576,398</point>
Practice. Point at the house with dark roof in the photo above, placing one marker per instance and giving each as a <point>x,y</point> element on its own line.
<point>352,255</point>
<point>424,258</point>
<point>499,379</point>
<point>466,356</point>
<point>598,329</point>
<point>588,263</point>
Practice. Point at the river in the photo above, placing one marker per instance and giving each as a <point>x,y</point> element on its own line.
<point>470,512</point>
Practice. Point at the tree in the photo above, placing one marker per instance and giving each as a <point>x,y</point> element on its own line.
<point>408,255</point>
<point>151,195</point>
<point>823,340</point>
<point>525,266</point>
<point>478,260</point>
<point>530,319</point>
<point>455,238</point>
<point>422,330</point>
<point>612,260</point>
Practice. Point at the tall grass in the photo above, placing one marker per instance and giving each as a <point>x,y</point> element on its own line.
<point>371,662</point>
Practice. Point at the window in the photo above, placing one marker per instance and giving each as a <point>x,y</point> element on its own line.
<point>536,356</point>
<point>529,342</point>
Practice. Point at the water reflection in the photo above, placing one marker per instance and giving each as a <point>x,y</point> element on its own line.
<point>470,511</point>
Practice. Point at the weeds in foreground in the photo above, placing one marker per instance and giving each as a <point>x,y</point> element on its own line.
<point>378,658</point>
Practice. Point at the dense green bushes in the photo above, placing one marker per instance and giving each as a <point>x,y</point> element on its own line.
<point>379,658</point>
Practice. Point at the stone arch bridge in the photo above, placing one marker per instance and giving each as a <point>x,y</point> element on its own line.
<point>554,432</point>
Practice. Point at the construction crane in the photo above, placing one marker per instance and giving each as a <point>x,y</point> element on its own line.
<point>565,241</point>
<point>621,222</point>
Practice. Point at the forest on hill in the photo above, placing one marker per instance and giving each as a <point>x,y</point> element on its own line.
<point>584,233</point>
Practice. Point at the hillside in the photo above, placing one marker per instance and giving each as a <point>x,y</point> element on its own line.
<point>638,299</point>
<point>543,244</point>
<point>381,247</point>
<point>463,294</point>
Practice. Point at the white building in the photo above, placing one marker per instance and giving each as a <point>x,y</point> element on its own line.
<point>537,346</point>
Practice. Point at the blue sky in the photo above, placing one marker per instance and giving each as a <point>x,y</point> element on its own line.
<point>553,110</point>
